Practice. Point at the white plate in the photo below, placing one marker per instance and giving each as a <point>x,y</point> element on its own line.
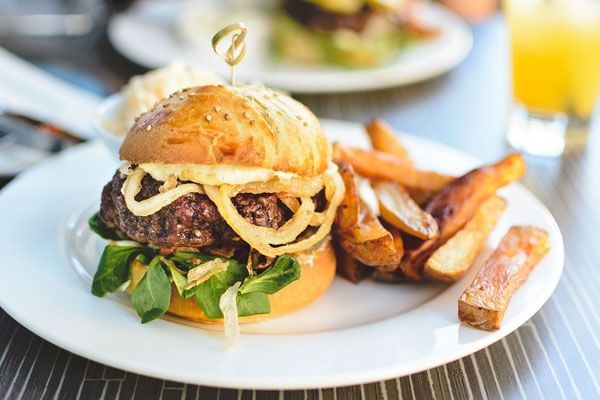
<point>148,34</point>
<point>353,334</point>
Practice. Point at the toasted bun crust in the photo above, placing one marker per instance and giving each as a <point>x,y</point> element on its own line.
<point>250,126</point>
<point>314,280</point>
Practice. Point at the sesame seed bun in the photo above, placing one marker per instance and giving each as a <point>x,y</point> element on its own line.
<point>246,126</point>
<point>315,278</point>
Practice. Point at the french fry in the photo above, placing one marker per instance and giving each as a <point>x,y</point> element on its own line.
<point>456,203</point>
<point>450,261</point>
<point>376,164</point>
<point>483,303</point>
<point>383,138</point>
<point>348,211</point>
<point>358,231</point>
<point>420,196</point>
<point>369,242</point>
<point>349,268</point>
<point>398,209</point>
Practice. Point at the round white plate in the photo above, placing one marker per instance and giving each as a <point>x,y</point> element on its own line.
<point>151,35</point>
<point>353,334</point>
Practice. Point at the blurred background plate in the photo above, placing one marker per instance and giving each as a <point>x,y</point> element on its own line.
<point>154,33</point>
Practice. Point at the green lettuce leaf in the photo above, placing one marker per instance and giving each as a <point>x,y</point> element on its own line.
<point>102,230</point>
<point>252,304</point>
<point>152,295</point>
<point>209,293</point>
<point>114,268</point>
<point>285,270</point>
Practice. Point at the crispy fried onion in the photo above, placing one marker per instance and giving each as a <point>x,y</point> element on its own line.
<point>133,184</point>
<point>262,239</point>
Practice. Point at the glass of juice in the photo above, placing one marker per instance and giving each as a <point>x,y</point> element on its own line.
<point>555,49</point>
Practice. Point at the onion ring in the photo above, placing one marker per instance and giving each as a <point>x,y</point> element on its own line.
<point>133,184</point>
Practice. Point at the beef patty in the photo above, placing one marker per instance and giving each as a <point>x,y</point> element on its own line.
<point>315,17</point>
<point>190,221</point>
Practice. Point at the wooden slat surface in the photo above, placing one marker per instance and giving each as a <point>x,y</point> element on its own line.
<point>554,355</point>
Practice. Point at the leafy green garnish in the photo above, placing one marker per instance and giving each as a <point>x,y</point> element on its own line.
<point>178,278</point>
<point>114,268</point>
<point>285,270</point>
<point>102,230</point>
<point>253,303</point>
<point>152,295</point>
<point>209,292</point>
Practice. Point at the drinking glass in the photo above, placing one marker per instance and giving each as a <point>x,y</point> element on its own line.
<point>555,49</point>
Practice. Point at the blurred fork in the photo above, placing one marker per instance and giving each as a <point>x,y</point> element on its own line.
<point>28,131</point>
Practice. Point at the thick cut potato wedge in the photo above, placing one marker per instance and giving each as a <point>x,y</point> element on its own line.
<point>398,209</point>
<point>348,211</point>
<point>451,261</point>
<point>358,231</point>
<point>483,303</point>
<point>456,203</point>
<point>375,164</point>
<point>383,138</point>
<point>350,268</point>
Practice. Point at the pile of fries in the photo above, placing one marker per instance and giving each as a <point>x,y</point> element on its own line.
<point>429,225</point>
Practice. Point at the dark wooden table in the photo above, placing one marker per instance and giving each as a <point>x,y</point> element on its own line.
<point>554,355</point>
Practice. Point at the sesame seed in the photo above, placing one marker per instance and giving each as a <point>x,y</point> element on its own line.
<point>149,127</point>
<point>246,114</point>
<point>208,118</point>
<point>217,109</point>
<point>228,116</point>
<point>247,104</point>
<point>305,124</point>
<point>252,122</point>
<point>180,97</point>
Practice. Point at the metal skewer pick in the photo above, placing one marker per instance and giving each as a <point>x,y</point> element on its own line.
<point>236,50</point>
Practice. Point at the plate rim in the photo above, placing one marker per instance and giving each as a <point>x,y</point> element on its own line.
<point>373,374</point>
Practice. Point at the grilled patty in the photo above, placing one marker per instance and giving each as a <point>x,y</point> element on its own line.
<point>190,221</point>
<point>314,17</point>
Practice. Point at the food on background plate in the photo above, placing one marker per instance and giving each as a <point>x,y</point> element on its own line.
<point>453,258</point>
<point>351,33</point>
<point>483,303</point>
<point>200,213</point>
<point>142,92</point>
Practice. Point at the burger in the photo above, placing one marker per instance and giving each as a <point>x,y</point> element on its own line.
<point>222,208</point>
<point>352,33</point>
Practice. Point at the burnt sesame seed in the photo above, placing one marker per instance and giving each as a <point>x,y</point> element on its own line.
<point>165,105</point>
<point>252,122</point>
<point>208,117</point>
<point>228,116</point>
<point>217,109</point>
<point>305,124</point>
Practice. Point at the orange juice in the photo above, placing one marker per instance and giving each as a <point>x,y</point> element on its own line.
<point>555,54</point>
